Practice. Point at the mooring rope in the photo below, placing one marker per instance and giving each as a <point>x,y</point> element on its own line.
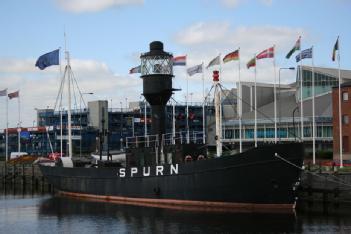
<point>338,180</point>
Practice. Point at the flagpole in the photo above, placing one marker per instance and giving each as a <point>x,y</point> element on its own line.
<point>7,127</point>
<point>301,96</point>
<point>313,114</point>
<point>340,126</point>
<point>255,130</point>
<point>187,109</point>
<point>19,124</point>
<point>239,106</point>
<point>275,97</point>
<point>203,104</point>
<point>220,103</point>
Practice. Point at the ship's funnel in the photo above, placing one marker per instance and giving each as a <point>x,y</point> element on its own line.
<point>157,73</point>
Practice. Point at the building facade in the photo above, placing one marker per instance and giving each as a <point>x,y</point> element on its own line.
<point>87,128</point>
<point>345,121</point>
<point>288,111</point>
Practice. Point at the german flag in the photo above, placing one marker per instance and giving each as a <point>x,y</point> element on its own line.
<point>231,56</point>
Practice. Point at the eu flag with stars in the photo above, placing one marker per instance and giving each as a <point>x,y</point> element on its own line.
<point>48,59</point>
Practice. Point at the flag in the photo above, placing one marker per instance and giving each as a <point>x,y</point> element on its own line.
<point>307,53</point>
<point>13,95</point>
<point>3,92</point>
<point>231,56</point>
<point>336,47</point>
<point>251,63</point>
<point>215,61</point>
<point>268,53</point>
<point>48,59</point>
<point>179,60</point>
<point>195,69</point>
<point>297,46</point>
<point>135,70</point>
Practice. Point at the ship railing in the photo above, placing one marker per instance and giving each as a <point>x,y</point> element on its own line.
<point>182,137</point>
<point>142,141</point>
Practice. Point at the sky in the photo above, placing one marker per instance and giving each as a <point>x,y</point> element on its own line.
<point>106,37</point>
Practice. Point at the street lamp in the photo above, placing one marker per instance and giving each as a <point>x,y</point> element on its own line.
<point>282,68</point>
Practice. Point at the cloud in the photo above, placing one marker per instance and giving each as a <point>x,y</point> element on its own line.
<point>205,40</point>
<point>267,2</point>
<point>231,3</point>
<point>202,32</point>
<point>236,3</point>
<point>15,65</point>
<point>38,89</point>
<point>79,6</point>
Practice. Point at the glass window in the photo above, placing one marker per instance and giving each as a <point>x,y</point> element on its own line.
<point>307,131</point>
<point>293,132</point>
<point>269,132</point>
<point>229,134</point>
<point>260,133</point>
<point>236,134</point>
<point>345,96</point>
<point>345,119</point>
<point>327,131</point>
<point>319,131</point>
<point>249,133</point>
<point>282,132</point>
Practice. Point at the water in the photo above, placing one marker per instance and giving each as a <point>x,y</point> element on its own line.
<point>37,212</point>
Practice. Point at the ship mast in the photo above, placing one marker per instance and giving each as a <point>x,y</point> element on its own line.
<point>217,103</point>
<point>68,73</point>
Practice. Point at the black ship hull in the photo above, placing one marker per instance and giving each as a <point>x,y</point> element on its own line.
<point>255,179</point>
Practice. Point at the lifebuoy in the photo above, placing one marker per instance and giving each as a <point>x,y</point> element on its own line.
<point>188,158</point>
<point>200,157</point>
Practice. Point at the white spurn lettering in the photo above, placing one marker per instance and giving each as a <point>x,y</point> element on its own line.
<point>146,173</point>
<point>133,171</point>
<point>122,172</point>
<point>174,169</point>
<point>159,169</point>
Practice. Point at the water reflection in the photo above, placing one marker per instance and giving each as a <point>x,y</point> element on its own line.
<point>28,210</point>
<point>136,219</point>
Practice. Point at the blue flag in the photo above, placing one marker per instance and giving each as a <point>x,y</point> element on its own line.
<point>48,59</point>
<point>307,53</point>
